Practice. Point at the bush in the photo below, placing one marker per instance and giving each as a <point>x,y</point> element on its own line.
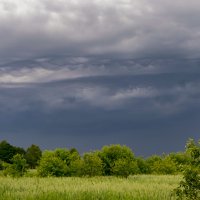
<point>162,165</point>
<point>124,168</point>
<point>189,187</point>
<point>18,167</point>
<point>143,167</point>
<point>33,155</point>
<point>51,165</point>
<point>92,165</point>
<point>76,168</point>
<point>110,154</point>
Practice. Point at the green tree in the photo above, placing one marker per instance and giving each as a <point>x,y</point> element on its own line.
<point>76,167</point>
<point>52,165</point>
<point>33,155</point>
<point>92,164</point>
<point>110,154</point>
<point>165,166</point>
<point>18,167</point>
<point>7,151</point>
<point>181,159</point>
<point>189,187</point>
<point>143,166</point>
<point>124,167</point>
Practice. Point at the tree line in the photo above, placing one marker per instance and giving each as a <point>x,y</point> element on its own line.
<point>111,160</point>
<point>115,160</point>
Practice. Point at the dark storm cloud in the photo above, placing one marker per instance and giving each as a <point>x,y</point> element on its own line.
<point>89,73</point>
<point>147,108</point>
<point>138,28</point>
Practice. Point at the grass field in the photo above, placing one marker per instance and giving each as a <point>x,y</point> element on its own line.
<point>140,187</point>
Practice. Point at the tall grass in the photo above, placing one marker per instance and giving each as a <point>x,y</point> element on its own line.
<point>141,187</point>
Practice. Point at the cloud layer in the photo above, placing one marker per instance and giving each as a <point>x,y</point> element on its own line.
<point>137,28</point>
<point>89,73</point>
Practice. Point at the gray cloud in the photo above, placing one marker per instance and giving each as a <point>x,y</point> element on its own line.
<point>89,73</point>
<point>137,28</point>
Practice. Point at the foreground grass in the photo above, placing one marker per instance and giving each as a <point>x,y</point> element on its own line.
<point>140,187</point>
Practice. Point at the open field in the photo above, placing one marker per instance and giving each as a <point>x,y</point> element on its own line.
<point>140,187</point>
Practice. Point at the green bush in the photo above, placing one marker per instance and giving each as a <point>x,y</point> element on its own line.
<point>33,155</point>
<point>162,165</point>
<point>189,187</point>
<point>92,165</point>
<point>124,167</point>
<point>51,165</point>
<point>110,154</point>
<point>76,167</point>
<point>18,167</point>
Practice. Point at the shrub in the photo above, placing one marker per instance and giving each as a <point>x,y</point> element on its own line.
<point>124,167</point>
<point>110,154</point>
<point>18,167</point>
<point>189,187</point>
<point>51,165</point>
<point>92,165</point>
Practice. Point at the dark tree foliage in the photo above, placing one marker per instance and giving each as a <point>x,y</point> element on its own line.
<point>143,167</point>
<point>33,155</point>
<point>110,154</point>
<point>7,151</point>
<point>18,167</point>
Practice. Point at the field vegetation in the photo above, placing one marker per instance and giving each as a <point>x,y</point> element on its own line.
<point>113,172</point>
<point>138,187</point>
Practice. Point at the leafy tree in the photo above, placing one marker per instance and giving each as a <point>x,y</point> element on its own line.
<point>92,165</point>
<point>162,165</point>
<point>33,155</point>
<point>63,154</point>
<point>7,151</point>
<point>124,167</point>
<point>76,167</point>
<point>181,159</point>
<point>143,167</point>
<point>52,165</point>
<point>189,187</point>
<point>110,154</point>
<point>18,167</point>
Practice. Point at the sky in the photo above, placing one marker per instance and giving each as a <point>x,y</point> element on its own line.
<point>90,73</point>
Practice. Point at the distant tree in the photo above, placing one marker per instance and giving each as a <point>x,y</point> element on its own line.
<point>7,151</point>
<point>19,150</point>
<point>181,159</point>
<point>110,154</point>
<point>143,166</point>
<point>63,154</point>
<point>76,168</point>
<point>161,165</point>
<point>33,155</point>
<point>92,164</point>
<point>124,167</point>
<point>51,165</point>
<point>18,167</point>
<point>76,163</point>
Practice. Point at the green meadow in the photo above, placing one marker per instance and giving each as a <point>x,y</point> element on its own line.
<point>138,187</point>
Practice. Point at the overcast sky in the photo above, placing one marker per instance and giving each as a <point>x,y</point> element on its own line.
<point>89,73</point>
